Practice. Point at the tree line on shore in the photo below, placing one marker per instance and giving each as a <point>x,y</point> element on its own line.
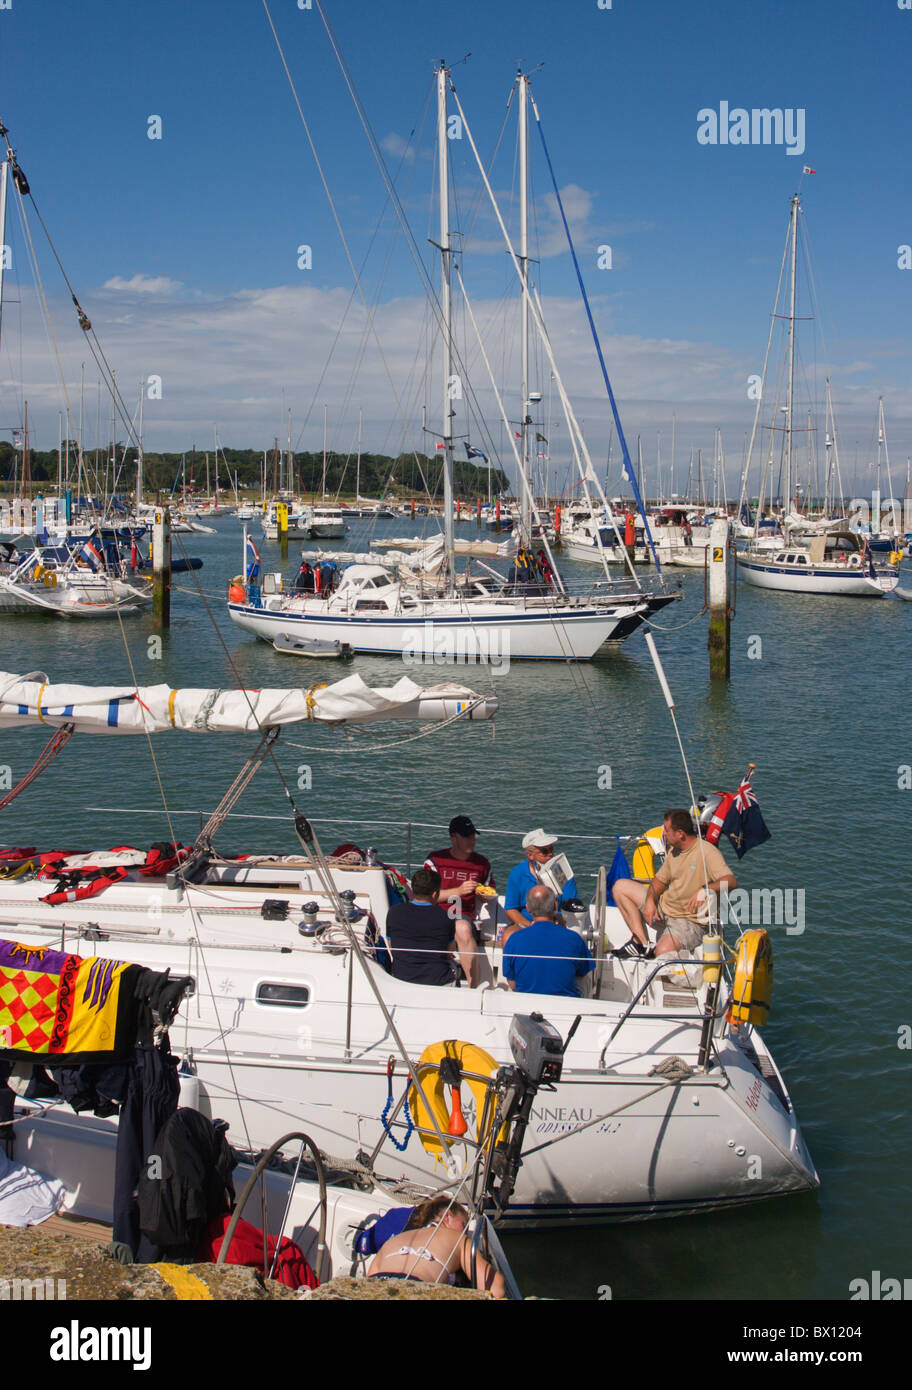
<point>380,475</point>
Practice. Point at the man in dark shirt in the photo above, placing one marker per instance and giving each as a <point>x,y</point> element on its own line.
<point>545,958</point>
<point>421,935</point>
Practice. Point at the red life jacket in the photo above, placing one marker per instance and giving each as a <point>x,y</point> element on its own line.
<point>84,884</point>
<point>714,829</point>
<point>15,856</point>
<point>86,881</point>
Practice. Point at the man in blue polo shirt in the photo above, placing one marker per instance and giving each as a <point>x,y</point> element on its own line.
<point>544,957</point>
<point>539,847</point>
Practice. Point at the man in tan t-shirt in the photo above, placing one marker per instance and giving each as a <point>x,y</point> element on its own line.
<point>681,884</point>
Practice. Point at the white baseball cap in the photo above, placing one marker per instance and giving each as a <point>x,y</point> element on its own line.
<point>537,839</point>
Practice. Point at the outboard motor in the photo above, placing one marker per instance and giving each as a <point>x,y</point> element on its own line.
<point>538,1060</point>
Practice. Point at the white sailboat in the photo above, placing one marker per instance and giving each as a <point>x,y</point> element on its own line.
<point>370,612</point>
<point>55,580</point>
<point>834,563</point>
<point>661,1102</point>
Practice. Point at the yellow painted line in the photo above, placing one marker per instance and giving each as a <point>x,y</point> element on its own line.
<point>186,1285</point>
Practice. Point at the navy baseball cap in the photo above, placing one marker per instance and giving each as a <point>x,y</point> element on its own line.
<point>461,825</point>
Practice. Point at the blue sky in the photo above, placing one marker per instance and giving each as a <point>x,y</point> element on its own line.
<point>183,250</point>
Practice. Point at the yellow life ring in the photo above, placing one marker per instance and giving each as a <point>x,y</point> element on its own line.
<point>37,573</point>
<point>471,1059</point>
<point>895,557</point>
<point>644,855</point>
<point>50,579</point>
<point>753,983</point>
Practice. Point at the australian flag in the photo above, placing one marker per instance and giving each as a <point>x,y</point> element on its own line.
<point>744,824</point>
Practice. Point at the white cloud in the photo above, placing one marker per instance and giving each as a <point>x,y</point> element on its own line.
<point>548,237</point>
<point>142,284</point>
<point>398,148</point>
<point>227,360</point>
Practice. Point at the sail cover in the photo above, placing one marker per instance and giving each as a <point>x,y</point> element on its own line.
<point>113,709</point>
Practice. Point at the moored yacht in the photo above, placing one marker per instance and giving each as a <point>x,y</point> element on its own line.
<point>661,1104</point>
<point>836,562</point>
<point>328,523</point>
<point>373,610</point>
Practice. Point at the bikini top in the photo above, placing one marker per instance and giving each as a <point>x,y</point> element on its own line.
<point>426,1255</point>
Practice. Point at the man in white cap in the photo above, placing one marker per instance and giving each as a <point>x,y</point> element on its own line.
<point>539,847</point>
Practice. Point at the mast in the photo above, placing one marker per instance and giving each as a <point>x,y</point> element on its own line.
<point>523,258</point>
<point>548,444</point>
<point>79,454</point>
<point>26,458</point>
<point>445,257</point>
<point>325,408</point>
<point>139,451</point>
<point>4,167</point>
<point>290,458</point>
<point>358,464</point>
<point>791,379</point>
<point>827,452</point>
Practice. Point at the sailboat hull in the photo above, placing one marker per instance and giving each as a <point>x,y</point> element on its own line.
<point>814,579</point>
<point>284,1032</point>
<point>539,634</point>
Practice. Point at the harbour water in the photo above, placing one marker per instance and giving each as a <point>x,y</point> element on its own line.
<point>818,703</point>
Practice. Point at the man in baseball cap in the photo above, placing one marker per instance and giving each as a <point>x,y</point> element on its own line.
<point>539,847</point>
<point>461,869</point>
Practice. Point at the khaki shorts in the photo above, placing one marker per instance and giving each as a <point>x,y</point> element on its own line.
<point>688,934</point>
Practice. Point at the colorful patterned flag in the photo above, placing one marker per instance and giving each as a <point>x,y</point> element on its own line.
<point>57,1008</point>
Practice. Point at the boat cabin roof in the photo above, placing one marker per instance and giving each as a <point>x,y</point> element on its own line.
<point>365,577</point>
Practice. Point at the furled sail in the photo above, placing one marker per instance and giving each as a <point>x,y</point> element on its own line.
<point>118,709</point>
